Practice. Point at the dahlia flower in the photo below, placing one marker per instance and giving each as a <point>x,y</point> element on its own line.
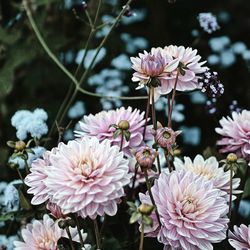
<point>240,238</point>
<point>35,179</point>
<point>154,64</point>
<point>189,67</point>
<point>87,177</point>
<point>43,234</point>
<point>99,126</point>
<point>145,156</point>
<point>192,214</point>
<point>210,170</point>
<point>235,134</point>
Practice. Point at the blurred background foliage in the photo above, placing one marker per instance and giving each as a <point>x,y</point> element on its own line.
<point>29,78</point>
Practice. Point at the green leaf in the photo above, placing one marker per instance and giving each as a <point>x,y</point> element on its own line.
<point>127,135</point>
<point>134,217</point>
<point>24,202</point>
<point>117,133</point>
<point>131,204</point>
<point>246,189</point>
<point>147,221</point>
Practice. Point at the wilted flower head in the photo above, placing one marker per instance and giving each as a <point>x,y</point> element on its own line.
<point>235,133</point>
<point>145,156</point>
<point>166,137</point>
<point>189,67</point>
<point>240,238</point>
<point>153,65</point>
<point>43,234</point>
<point>208,22</point>
<point>87,177</point>
<point>210,84</point>
<point>192,214</point>
<point>99,126</point>
<point>210,170</point>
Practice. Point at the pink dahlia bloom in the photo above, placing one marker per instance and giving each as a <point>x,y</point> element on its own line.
<point>87,177</point>
<point>210,170</point>
<point>193,214</point>
<point>35,179</point>
<point>240,238</point>
<point>154,64</point>
<point>99,126</point>
<point>190,66</point>
<point>235,134</point>
<point>43,234</point>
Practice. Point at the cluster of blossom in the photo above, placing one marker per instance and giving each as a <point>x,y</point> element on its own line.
<point>208,22</point>
<point>225,53</point>
<point>174,67</point>
<point>210,84</point>
<point>27,122</point>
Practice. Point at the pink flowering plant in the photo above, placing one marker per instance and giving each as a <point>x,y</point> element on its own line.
<point>123,178</point>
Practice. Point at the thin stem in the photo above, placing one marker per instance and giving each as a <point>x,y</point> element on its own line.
<point>20,175</point>
<point>141,236</point>
<point>168,161</point>
<point>147,114</point>
<point>122,139</point>
<point>230,194</point>
<point>134,178</point>
<point>172,101</point>
<point>89,19</point>
<point>70,238</point>
<point>155,125</point>
<point>97,12</point>
<point>26,166</point>
<point>150,193</point>
<point>79,231</point>
<point>97,234</point>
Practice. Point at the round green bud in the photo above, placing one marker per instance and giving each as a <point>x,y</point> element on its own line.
<point>124,125</point>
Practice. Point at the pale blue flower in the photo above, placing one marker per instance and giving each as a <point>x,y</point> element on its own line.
<point>208,22</point>
<point>227,58</point>
<point>68,135</point>
<point>191,135</point>
<point>239,47</point>
<point>77,110</point>
<point>121,62</point>
<point>198,97</point>
<point>89,57</point>
<point>244,209</point>
<point>7,242</point>
<point>213,59</point>
<point>37,153</point>
<point>218,44</point>
<point>11,196</point>
<point>27,122</point>
<point>246,55</point>
<point>137,16</point>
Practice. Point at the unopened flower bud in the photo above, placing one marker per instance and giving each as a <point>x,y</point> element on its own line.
<point>145,209</point>
<point>145,156</point>
<point>62,224</point>
<point>166,137</point>
<point>232,158</point>
<point>124,125</point>
<point>55,210</point>
<point>20,145</point>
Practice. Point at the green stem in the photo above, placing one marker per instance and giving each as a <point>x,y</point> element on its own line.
<point>26,167</point>
<point>141,236</point>
<point>172,101</point>
<point>97,234</point>
<point>20,175</point>
<point>150,193</point>
<point>147,114</point>
<point>122,139</point>
<point>230,194</point>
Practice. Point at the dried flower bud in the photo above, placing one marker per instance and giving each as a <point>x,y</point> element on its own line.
<point>124,125</point>
<point>62,224</point>
<point>166,137</point>
<point>232,158</point>
<point>20,145</point>
<point>145,156</point>
<point>145,209</point>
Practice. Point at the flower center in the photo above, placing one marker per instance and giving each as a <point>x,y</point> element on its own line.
<point>188,205</point>
<point>203,171</point>
<point>84,168</point>
<point>146,153</point>
<point>166,135</point>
